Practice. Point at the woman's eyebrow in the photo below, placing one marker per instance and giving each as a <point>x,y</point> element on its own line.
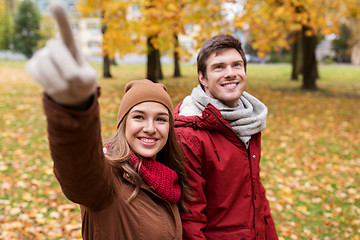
<point>140,111</point>
<point>137,111</point>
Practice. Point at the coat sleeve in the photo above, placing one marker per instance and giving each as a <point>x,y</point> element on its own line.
<point>75,144</point>
<point>270,229</point>
<point>194,221</point>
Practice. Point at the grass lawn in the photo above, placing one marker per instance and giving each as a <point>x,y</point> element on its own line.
<point>310,154</point>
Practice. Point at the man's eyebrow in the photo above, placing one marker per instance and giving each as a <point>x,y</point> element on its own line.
<point>239,60</point>
<point>220,63</point>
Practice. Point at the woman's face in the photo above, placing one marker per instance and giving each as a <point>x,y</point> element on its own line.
<point>147,128</point>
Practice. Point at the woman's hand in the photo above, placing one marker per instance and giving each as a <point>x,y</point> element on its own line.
<point>60,67</point>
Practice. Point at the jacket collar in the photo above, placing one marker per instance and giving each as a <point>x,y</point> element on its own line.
<point>210,119</point>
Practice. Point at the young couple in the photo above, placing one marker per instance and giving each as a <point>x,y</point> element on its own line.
<point>188,173</point>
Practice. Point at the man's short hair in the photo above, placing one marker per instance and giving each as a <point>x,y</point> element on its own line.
<point>218,43</point>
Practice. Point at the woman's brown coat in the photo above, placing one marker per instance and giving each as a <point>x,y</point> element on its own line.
<point>87,178</point>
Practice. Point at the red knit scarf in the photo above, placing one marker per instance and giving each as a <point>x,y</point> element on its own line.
<point>163,180</point>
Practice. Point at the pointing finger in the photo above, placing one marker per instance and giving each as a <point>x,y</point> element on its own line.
<point>63,22</point>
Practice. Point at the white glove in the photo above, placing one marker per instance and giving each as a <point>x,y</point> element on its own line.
<point>60,66</point>
<point>62,77</point>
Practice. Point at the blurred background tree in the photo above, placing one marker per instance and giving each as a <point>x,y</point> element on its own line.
<point>352,17</point>
<point>299,25</point>
<point>153,27</point>
<point>26,28</point>
<point>276,30</point>
<point>105,10</point>
<point>7,9</point>
<point>341,45</point>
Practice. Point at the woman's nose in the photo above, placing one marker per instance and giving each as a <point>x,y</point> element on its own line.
<point>149,127</point>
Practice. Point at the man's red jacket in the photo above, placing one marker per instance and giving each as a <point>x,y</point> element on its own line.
<point>230,200</point>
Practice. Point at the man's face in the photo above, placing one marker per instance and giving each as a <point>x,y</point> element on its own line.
<point>226,77</point>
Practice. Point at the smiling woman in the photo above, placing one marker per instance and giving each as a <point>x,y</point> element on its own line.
<point>147,128</point>
<point>140,177</point>
<point>134,186</point>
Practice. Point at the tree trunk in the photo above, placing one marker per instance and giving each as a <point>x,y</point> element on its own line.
<point>106,63</point>
<point>297,58</point>
<point>294,62</point>
<point>106,67</point>
<point>158,56</point>
<point>310,71</point>
<point>177,72</point>
<point>152,62</point>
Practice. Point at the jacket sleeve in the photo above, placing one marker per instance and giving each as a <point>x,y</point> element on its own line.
<point>75,144</point>
<point>194,221</point>
<point>270,229</point>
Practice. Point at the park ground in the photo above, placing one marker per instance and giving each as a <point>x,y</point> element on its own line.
<point>310,151</point>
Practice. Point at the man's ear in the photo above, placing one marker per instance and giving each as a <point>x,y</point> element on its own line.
<point>202,79</point>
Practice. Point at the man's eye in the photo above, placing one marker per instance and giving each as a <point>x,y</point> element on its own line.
<point>218,67</point>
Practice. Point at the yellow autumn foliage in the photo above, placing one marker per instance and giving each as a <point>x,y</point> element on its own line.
<point>129,23</point>
<point>321,17</point>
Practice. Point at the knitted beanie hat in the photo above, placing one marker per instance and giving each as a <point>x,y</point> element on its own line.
<point>138,91</point>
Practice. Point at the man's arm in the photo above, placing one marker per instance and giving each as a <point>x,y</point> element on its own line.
<point>270,230</point>
<point>194,221</point>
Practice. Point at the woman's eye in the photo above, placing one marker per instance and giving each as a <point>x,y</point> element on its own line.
<point>161,119</point>
<point>138,117</point>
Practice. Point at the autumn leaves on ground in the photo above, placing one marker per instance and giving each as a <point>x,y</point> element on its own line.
<point>310,156</point>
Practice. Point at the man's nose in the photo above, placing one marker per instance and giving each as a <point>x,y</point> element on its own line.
<point>229,72</point>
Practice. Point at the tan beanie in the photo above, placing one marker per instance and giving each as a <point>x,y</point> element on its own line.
<point>139,91</point>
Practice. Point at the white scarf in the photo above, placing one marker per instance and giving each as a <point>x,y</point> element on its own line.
<point>248,118</point>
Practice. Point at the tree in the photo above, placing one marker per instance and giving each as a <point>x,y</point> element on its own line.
<point>26,28</point>
<point>7,8</point>
<point>341,45</point>
<point>177,72</point>
<point>297,57</point>
<point>152,27</point>
<point>352,15</point>
<point>165,20</point>
<point>5,31</point>
<point>47,30</point>
<point>279,23</point>
<point>104,9</point>
<point>151,20</point>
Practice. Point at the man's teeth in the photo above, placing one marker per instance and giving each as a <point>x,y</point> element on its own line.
<point>230,85</point>
<point>147,140</point>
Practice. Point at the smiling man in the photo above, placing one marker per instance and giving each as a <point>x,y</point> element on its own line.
<point>219,126</point>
